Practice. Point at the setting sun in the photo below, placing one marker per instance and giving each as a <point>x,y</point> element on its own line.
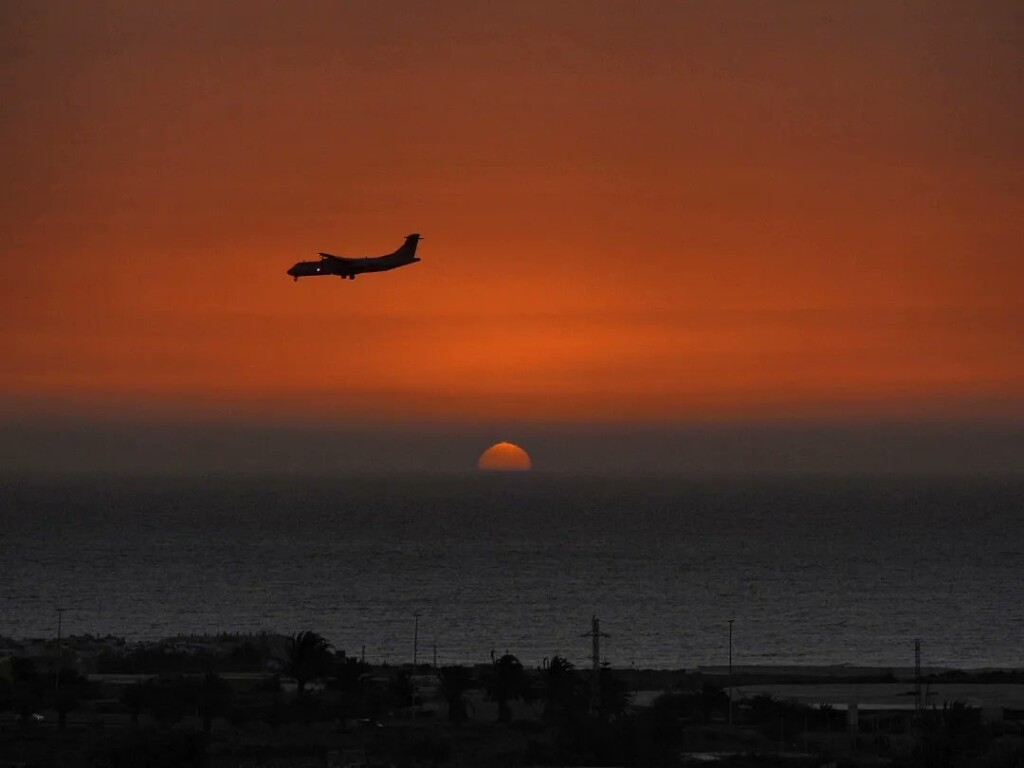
<point>505,457</point>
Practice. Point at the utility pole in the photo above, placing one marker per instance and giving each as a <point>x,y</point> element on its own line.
<point>730,670</point>
<point>595,634</point>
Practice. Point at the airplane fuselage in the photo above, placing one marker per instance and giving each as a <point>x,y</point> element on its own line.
<point>350,267</point>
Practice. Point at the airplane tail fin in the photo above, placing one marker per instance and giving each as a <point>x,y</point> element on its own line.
<point>408,248</point>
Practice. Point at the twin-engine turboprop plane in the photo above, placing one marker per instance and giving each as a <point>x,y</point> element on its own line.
<point>348,267</point>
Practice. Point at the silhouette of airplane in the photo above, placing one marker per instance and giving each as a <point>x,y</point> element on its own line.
<point>348,267</point>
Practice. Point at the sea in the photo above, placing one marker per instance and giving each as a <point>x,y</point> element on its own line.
<point>809,570</point>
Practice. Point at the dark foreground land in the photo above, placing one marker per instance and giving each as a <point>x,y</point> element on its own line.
<point>292,701</point>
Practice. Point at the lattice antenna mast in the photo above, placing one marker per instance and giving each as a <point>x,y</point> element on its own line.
<point>595,634</point>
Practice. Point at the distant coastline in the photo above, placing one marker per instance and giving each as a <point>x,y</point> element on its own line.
<point>223,644</point>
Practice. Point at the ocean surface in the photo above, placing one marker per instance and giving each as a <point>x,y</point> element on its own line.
<point>812,571</point>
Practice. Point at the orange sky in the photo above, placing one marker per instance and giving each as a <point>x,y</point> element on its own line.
<point>631,211</point>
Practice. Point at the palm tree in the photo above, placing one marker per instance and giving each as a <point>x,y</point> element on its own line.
<point>506,682</point>
<point>309,657</point>
<point>565,692</point>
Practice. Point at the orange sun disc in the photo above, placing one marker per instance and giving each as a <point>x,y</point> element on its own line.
<point>505,457</point>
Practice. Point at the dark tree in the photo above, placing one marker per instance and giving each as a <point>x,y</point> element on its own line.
<point>666,717</point>
<point>508,681</point>
<point>613,695</point>
<point>455,681</point>
<point>247,657</point>
<point>152,749</point>
<point>948,737</point>
<point>71,688</point>
<point>134,700</point>
<point>27,689</point>
<point>348,675</point>
<point>713,699</point>
<point>402,689</point>
<point>309,657</point>
<point>169,700</point>
<point>6,695</point>
<point>213,698</point>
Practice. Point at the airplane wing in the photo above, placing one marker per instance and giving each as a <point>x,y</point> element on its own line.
<point>332,256</point>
